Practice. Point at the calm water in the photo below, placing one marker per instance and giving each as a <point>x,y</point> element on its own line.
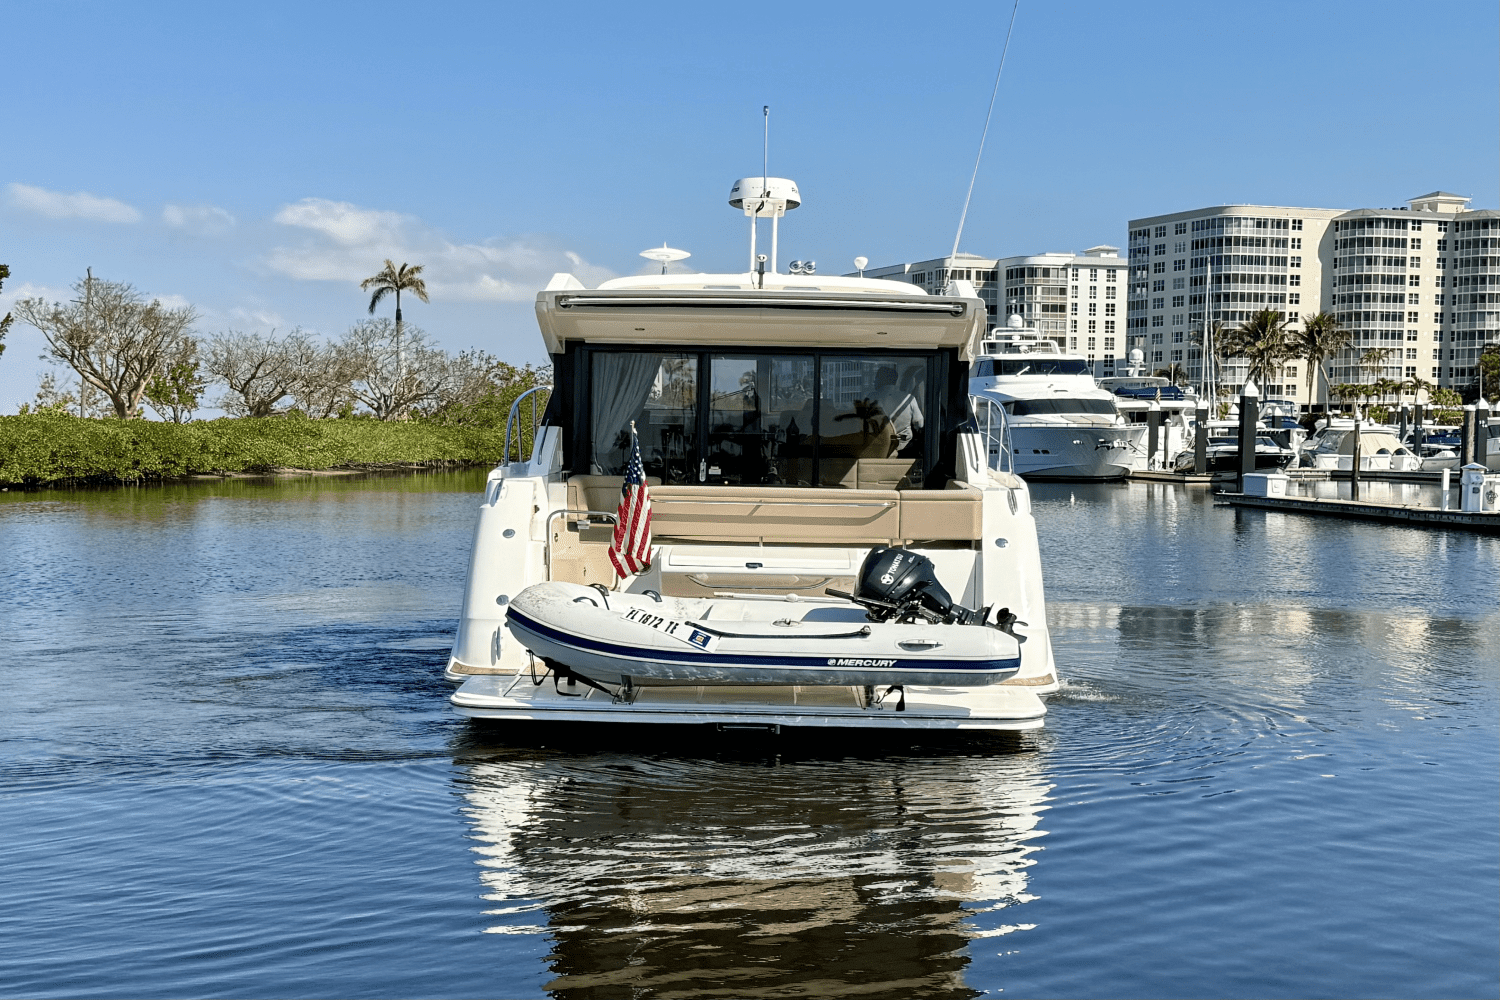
<point>228,768</point>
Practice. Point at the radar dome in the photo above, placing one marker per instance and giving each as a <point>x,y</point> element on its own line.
<point>779,192</point>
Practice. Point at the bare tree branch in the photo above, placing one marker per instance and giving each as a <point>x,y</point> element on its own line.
<point>110,336</point>
<point>259,371</point>
<point>393,377</point>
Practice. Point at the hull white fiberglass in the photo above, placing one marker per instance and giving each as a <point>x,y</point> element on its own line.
<point>1071,452</point>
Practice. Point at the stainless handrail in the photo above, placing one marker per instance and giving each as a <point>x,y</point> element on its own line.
<point>1005,455</point>
<point>510,419</point>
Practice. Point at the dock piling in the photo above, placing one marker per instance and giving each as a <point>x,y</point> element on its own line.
<point>1447,482</point>
<point>1466,439</point>
<point>1482,432</point>
<point>1153,433</point>
<point>1249,414</point>
<point>1200,439</point>
<point>1354,462</point>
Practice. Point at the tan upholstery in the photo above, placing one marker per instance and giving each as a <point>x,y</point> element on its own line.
<point>954,513</point>
<point>885,473</point>
<point>786,514</point>
<point>775,513</point>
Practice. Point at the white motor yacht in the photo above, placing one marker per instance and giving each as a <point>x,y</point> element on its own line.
<point>791,428</point>
<point>1062,425</point>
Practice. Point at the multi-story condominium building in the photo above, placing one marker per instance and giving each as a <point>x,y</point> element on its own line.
<point>1221,265</point>
<point>1076,299</point>
<point>1389,275</point>
<point>1473,296</point>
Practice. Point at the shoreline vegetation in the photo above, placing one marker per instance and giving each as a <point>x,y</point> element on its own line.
<point>383,396</point>
<point>42,450</point>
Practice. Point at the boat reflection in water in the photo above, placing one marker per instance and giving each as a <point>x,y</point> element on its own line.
<point>752,878</point>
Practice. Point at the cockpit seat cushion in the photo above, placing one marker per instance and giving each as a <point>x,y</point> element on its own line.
<point>797,514</point>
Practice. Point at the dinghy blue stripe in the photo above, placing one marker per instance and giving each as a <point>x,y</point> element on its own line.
<point>741,659</point>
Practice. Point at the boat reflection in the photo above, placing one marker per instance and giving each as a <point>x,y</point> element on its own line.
<point>756,877</point>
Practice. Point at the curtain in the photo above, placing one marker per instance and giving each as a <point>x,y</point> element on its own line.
<point>622,382</point>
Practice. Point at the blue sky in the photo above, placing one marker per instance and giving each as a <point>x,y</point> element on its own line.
<point>257,160</point>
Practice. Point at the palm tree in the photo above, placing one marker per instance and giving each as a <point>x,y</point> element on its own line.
<point>1418,385</point>
<point>1373,361</point>
<point>1320,339</point>
<point>1176,374</point>
<point>1262,341</point>
<point>406,278</point>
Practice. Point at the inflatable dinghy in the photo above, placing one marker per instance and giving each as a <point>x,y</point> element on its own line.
<point>898,628</point>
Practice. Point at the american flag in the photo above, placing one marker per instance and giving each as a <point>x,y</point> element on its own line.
<point>630,551</point>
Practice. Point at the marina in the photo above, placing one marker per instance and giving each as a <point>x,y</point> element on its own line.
<point>246,779</point>
<point>465,532</point>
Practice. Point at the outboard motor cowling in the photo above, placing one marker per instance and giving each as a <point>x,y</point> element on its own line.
<point>899,577</point>
<point>901,584</point>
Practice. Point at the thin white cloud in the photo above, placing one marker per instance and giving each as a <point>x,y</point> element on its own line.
<point>200,220</point>
<point>29,290</point>
<point>172,301</point>
<point>49,293</point>
<point>79,205</point>
<point>344,242</point>
<point>242,316</point>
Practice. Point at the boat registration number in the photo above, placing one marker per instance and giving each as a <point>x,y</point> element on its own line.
<point>677,629</point>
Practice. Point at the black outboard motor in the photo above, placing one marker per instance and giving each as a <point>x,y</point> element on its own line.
<point>902,585</point>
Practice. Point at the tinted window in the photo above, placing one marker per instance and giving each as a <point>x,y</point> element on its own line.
<point>660,393</point>
<point>987,367</point>
<point>870,421</point>
<point>1023,407</point>
<point>760,415</point>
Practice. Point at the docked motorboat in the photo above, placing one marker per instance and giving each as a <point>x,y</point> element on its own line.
<point>1062,425</point>
<point>1438,447</point>
<point>1278,421</point>
<point>907,632</point>
<point>789,426</point>
<point>1223,451</point>
<point>1331,447</point>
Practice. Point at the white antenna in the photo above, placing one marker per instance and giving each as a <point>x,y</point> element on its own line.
<point>765,199</point>
<point>665,254</point>
<point>765,170</point>
<point>765,147</point>
<point>963,217</point>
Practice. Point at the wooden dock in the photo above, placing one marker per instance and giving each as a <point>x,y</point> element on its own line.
<point>1296,476</point>
<point>1178,478</point>
<point>1409,514</point>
